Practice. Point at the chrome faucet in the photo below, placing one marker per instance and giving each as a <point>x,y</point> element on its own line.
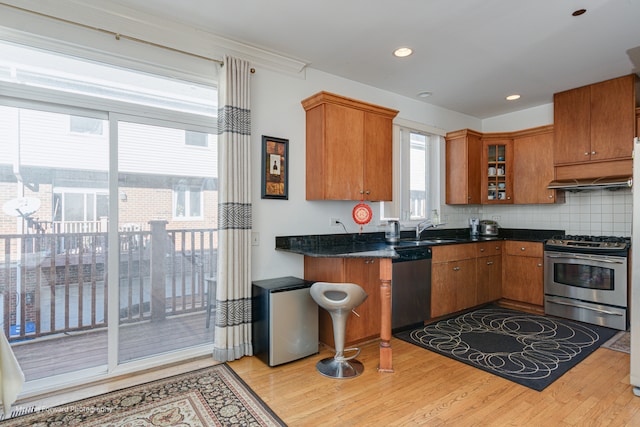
<point>423,226</point>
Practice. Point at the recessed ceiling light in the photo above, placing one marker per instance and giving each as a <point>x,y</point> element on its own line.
<point>512,97</point>
<point>424,94</point>
<point>579,12</point>
<point>401,52</point>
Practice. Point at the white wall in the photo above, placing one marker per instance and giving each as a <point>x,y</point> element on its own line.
<point>519,120</point>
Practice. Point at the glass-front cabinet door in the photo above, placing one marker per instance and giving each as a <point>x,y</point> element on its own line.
<point>497,173</point>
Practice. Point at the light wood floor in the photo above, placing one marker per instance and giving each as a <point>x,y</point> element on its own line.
<point>429,389</point>
<point>425,389</point>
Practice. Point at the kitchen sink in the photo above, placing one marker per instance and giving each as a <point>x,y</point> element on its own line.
<point>423,242</point>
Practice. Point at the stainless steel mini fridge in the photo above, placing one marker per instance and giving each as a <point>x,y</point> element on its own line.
<point>285,320</point>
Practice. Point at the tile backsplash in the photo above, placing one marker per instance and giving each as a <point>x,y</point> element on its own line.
<point>597,212</point>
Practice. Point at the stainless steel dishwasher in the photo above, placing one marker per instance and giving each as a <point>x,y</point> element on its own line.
<point>410,288</point>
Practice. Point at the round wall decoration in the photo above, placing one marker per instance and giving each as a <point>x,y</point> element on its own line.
<point>362,213</point>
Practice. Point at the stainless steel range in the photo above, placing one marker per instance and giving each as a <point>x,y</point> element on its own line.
<point>586,279</point>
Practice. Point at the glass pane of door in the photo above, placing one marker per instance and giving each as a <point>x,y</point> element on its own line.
<point>168,239</point>
<point>53,247</point>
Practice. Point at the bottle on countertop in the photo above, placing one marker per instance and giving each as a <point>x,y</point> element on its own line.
<point>435,218</point>
<point>392,233</point>
<point>474,227</point>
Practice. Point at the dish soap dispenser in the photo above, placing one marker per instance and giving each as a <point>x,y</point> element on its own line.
<point>435,218</point>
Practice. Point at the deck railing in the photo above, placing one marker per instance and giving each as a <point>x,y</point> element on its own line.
<point>57,283</point>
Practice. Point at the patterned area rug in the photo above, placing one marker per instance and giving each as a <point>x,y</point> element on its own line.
<point>214,396</point>
<point>528,349</point>
<point>620,342</point>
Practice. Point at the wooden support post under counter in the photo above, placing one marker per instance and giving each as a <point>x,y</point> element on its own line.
<point>386,356</point>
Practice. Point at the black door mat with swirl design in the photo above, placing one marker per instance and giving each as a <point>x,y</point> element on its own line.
<point>528,349</point>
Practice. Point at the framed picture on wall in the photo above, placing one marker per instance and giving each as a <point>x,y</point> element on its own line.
<point>275,168</point>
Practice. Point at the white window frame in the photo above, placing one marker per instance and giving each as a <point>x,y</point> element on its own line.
<point>95,192</point>
<point>399,208</point>
<point>188,189</point>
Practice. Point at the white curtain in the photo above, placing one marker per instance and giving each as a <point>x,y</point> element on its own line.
<point>233,293</point>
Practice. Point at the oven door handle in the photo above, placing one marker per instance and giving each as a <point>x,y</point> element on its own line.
<point>584,306</point>
<point>610,261</point>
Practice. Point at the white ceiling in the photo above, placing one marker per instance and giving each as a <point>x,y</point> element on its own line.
<point>469,53</point>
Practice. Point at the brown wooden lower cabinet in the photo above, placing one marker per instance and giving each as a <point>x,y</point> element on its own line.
<point>489,279</point>
<point>453,286</point>
<point>361,271</point>
<point>465,275</point>
<point>523,276</point>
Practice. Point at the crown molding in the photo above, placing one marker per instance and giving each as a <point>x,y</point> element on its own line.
<point>105,16</point>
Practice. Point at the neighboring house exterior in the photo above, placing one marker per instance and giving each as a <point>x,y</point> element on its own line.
<point>164,173</point>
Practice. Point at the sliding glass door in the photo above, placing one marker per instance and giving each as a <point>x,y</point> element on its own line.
<point>53,241</point>
<point>167,193</point>
<point>108,228</point>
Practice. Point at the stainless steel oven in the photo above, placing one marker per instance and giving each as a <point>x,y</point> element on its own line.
<point>586,279</point>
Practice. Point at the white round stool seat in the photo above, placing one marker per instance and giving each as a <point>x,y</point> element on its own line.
<point>339,299</point>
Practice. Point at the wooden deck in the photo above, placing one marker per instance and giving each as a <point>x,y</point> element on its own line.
<point>64,353</point>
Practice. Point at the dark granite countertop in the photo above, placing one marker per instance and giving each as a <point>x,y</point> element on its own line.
<point>373,245</point>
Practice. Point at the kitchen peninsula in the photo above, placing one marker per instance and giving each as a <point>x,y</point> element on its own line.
<point>353,258</point>
<point>360,253</point>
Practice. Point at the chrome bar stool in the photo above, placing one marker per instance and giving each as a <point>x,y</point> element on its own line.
<point>339,299</point>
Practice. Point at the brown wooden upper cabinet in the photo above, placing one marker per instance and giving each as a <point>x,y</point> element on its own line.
<point>500,168</point>
<point>533,161</point>
<point>349,149</point>
<point>463,154</point>
<point>595,123</point>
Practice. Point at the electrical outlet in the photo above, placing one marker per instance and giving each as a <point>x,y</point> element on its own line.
<point>496,217</point>
<point>335,222</point>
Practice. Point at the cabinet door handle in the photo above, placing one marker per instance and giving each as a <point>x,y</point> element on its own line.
<point>539,265</point>
<point>497,248</point>
<point>361,191</point>
<point>456,268</point>
<point>481,249</point>
<point>550,196</point>
<point>593,153</point>
<point>489,262</point>
<point>368,192</point>
<point>523,249</point>
<point>586,153</point>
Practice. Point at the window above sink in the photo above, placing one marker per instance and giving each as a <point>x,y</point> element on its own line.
<point>416,173</point>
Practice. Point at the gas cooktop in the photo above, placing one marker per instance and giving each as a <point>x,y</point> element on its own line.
<point>594,242</point>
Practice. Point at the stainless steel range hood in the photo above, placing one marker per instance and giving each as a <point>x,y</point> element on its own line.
<point>602,183</point>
